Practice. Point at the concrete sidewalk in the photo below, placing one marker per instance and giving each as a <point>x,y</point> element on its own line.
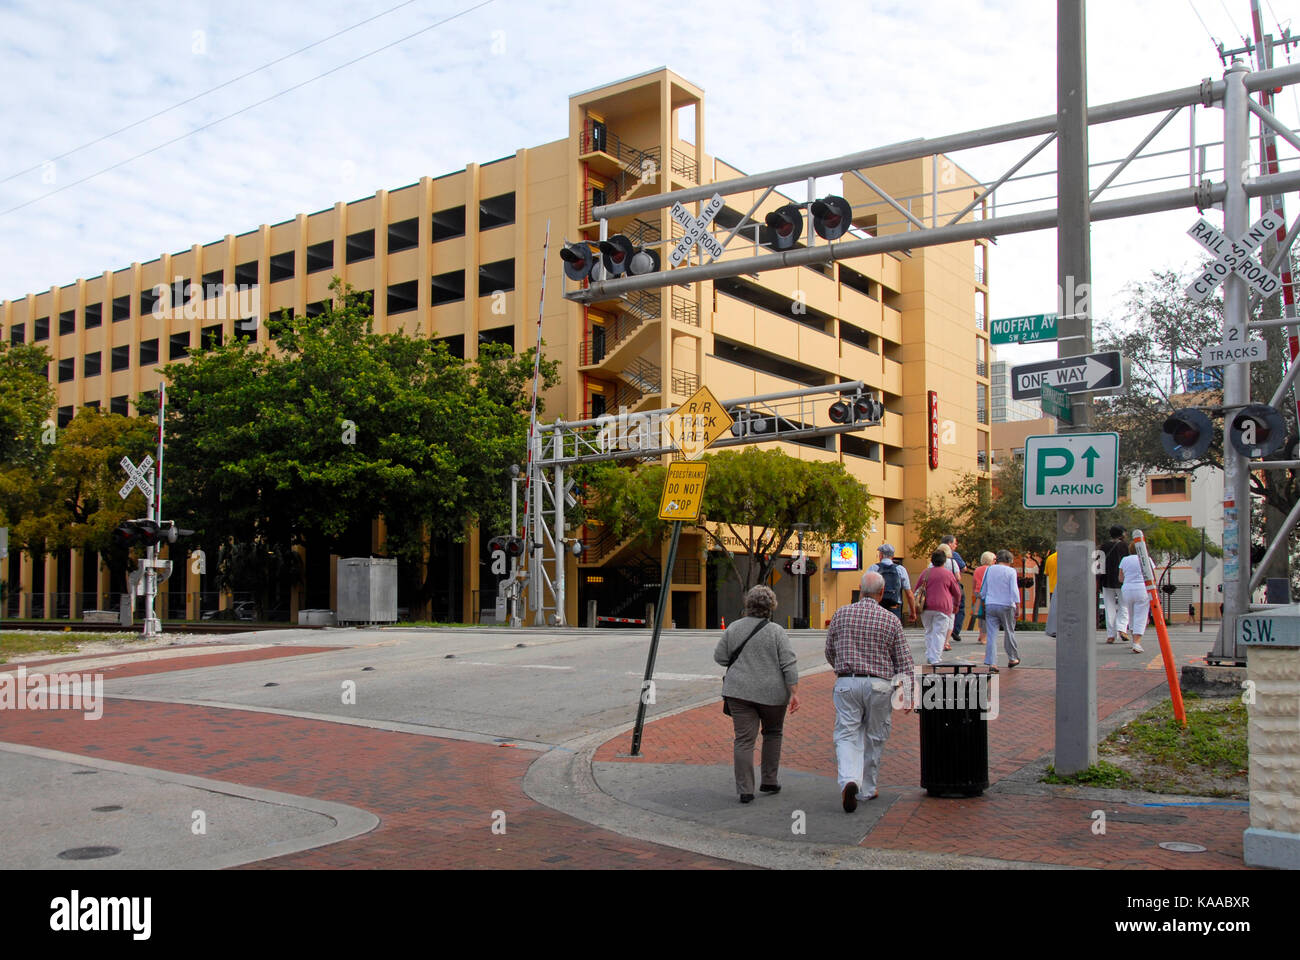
<point>685,774</point>
<point>410,791</point>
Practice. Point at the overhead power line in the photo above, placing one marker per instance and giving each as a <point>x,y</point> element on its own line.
<point>244,109</point>
<point>199,96</point>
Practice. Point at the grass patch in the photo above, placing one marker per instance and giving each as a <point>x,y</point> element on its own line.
<point>1152,752</point>
<point>1100,774</point>
<point>21,643</point>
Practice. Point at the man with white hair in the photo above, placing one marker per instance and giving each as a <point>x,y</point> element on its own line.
<point>866,649</point>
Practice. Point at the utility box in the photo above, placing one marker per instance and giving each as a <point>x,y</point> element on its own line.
<point>367,590</point>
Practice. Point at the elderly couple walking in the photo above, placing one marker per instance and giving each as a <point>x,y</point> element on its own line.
<point>866,649</point>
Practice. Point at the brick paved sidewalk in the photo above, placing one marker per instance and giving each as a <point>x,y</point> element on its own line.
<point>436,798</point>
<point>1049,829</point>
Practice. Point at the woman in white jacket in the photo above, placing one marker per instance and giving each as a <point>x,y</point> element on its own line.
<point>1133,595</point>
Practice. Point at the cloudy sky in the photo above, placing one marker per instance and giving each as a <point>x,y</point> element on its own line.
<point>784,83</point>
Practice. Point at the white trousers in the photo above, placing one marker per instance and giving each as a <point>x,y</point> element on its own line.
<point>936,626</point>
<point>1137,607</point>
<point>863,716</point>
<point>1117,612</point>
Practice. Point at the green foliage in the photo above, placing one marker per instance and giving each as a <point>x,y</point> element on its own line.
<point>757,495</point>
<point>1101,774</point>
<point>338,425</point>
<point>26,399</point>
<point>1163,331</point>
<point>1215,736</point>
<point>986,516</point>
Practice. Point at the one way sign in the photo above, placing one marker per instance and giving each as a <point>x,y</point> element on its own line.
<point>1094,371</point>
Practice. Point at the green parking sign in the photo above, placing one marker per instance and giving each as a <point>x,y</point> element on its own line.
<point>1071,470</point>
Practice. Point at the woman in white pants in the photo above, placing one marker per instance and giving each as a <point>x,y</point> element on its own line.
<point>942,595</point>
<point>1133,595</point>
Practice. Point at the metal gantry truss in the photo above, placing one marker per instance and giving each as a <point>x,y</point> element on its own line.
<point>934,230</point>
<point>1232,194</point>
<point>791,415</point>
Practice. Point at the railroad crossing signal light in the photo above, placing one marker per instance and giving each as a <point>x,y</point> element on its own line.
<point>786,224</point>
<point>514,546</point>
<point>643,261</point>
<point>171,533</point>
<point>1257,430</point>
<point>857,410</point>
<point>1187,434</point>
<point>126,535</point>
<point>147,533</point>
<point>794,566</point>
<point>616,254</point>
<point>497,543</point>
<point>578,260</point>
<point>832,216</point>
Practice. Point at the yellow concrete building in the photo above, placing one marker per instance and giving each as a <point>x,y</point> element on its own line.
<point>459,257</point>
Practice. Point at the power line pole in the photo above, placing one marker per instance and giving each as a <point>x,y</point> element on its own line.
<point>1076,658</point>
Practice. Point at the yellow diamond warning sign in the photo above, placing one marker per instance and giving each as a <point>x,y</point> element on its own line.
<point>683,491</point>
<point>697,423</point>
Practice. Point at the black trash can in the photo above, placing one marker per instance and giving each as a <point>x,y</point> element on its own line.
<point>954,734</point>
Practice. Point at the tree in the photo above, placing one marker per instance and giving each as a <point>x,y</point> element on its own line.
<point>307,443</point>
<point>76,503</point>
<point>1162,330</point>
<point>992,516</point>
<point>26,399</point>
<point>758,495</point>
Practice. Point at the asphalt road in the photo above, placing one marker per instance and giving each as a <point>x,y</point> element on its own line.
<point>543,686</point>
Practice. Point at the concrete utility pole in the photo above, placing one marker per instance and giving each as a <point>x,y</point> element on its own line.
<point>1076,604</point>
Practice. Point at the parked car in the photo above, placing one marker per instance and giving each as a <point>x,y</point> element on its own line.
<point>241,610</point>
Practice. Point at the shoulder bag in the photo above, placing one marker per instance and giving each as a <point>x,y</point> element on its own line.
<point>726,707</point>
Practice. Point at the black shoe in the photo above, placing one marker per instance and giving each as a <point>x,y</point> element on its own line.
<point>746,798</point>
<point>956,639</point>
<point>770,788</point>
<point>849,797</point>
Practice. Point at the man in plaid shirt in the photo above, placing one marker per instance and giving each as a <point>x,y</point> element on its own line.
<point>866,649</point>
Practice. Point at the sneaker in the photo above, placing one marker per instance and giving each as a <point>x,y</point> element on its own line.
<point>746,798</point>
<point>770,788</point>
<point>1137,647</point>
<point>849,797</point>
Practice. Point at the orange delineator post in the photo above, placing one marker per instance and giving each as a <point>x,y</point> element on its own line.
<point>1166,651</point>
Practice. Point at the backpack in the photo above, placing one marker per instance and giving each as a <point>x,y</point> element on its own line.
<point>891,597</point>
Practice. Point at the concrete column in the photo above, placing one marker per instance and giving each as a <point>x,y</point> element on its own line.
<point>51,573</point>
<point>1273,839</point>
<point>193,587</point>
<point>75,585</point>
<point>26,573</point>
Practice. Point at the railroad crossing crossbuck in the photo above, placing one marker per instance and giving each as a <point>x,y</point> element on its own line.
<point>1234,255</point>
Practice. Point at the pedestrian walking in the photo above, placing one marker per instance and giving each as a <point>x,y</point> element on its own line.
<point>762,679</point>
<point>898,585</point>
<point>866,649</point>
<point>1001,596</point>
<point>1114,551</point>
<point>957,565</point>
<point>987,559</point>
<point>938,594</point>
<point>1134,596</point>
<point>1049,570</point>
